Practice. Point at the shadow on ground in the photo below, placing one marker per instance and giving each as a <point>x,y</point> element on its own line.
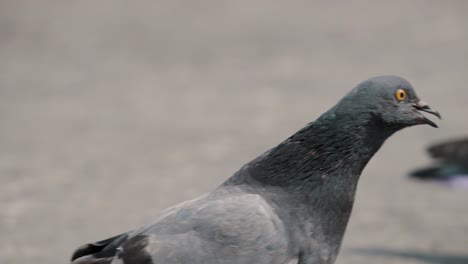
<point>430,258</point>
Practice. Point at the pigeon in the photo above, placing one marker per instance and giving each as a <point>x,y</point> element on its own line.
<point>290,205</point>
<point>452,164</point>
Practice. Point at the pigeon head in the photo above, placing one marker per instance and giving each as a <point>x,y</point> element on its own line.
<point>389,100</point>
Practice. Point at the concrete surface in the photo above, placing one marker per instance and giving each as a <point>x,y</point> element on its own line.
<point>113,110</point>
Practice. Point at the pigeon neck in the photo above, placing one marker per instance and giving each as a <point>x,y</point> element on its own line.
<point>336,146</point>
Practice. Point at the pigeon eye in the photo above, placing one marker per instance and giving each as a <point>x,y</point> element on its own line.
<point>400,95</point>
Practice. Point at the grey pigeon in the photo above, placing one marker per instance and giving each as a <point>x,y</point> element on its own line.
<point>290,205</point>
<point>452,163</point>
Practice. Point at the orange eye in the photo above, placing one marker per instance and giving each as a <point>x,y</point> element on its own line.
<point>400,95</point>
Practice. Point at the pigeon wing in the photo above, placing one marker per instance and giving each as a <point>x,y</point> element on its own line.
<point>232,228</point>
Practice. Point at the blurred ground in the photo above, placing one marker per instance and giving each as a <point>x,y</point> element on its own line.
<point>113,110</point>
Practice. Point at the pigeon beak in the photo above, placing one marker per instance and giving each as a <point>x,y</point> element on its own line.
<point>423,106</point>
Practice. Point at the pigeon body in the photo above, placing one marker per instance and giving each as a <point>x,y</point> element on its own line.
<point>453,151</point>
<point>290,205</point>
<point>451,163</point>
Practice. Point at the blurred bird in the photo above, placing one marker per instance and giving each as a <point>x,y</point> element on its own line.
<point>451,164</point>
<point>290,205</point>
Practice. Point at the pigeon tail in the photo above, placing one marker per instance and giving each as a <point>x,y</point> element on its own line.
<point>100,252</point>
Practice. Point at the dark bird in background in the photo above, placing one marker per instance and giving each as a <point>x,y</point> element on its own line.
<point>451,164</point>
<point>290,205</point>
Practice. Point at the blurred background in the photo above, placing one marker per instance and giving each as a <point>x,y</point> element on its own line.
<point>114,110</point>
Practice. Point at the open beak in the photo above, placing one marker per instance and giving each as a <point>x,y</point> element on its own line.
<point>422,106</point>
